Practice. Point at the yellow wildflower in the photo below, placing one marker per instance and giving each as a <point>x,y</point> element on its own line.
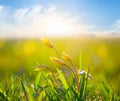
<point>47,42</point>
<point>66,57</point>
<point>57,61</point>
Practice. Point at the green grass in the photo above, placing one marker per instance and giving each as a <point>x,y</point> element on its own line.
<point>23,78</point>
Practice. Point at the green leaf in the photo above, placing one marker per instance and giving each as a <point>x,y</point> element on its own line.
<point>75,96</point>
<point>106,87</point>
<point>37,80</point>
<point>29,93</point>
<point>111,94</point>
<point>87,79</point>
<point>62,79</point>
<point>82,86</point>
<point>24,90</point>
<point>3,96</point>
<point>13,78</point>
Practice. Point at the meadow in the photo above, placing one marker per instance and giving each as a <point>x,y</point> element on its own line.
<point>23,78</point>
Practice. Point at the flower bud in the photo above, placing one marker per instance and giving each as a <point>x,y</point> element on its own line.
<point>47,42</point>
<point>66,57</point>
<point>57,60</point>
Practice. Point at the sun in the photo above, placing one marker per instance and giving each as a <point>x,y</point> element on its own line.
<point>58,28</point>
<point>58,25</point>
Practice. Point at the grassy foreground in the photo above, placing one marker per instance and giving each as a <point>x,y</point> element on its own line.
<point>61,81</point>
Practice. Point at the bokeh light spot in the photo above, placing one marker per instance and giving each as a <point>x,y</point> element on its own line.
<point>29,48</point>
<point>102,51</point>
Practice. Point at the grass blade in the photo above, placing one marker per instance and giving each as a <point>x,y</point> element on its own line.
<point>37,80</point>
<point>24,90</point>
<point>3,96</point>
<point>112,96</point>
<point>62,79</point>
<point>82,86</point>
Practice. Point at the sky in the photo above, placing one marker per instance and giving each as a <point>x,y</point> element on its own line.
<point>56,18</point>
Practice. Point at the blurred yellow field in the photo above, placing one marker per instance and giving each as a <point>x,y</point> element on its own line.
<point>101,54</point>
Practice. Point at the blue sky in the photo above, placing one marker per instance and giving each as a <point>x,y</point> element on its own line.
<point>85,16</point>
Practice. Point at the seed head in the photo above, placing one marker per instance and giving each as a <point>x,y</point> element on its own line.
<point>40,67</point>
<point>57,60</point>
<point>90,76</point>
<point>36,69</point>
<point>47,42</point>
<point>66,57</point>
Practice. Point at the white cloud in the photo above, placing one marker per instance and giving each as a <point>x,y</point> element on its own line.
<point>21,12</point>
<point>117,24</point>
<point>51,8</point>
<point>34,21</point>
<point>113,32</point>
<point>1,8</point>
